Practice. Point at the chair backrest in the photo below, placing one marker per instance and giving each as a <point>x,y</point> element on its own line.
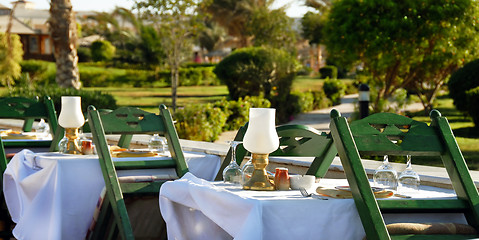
<point>127,121</point>
<point>28,110</point>
<point>392,134</point>
<point>294,141</point>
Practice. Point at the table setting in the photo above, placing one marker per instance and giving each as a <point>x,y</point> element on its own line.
<point>252,203</point>
<point>53,195</point>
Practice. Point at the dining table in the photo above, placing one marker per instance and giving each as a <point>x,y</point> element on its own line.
<point>195,208</point>
<point>53,196</point>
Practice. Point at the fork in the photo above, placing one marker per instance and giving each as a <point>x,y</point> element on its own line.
<point>306,194</point>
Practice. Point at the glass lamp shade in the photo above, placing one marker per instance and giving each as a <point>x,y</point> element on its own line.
<point>71,115</point>
<point>261,136</point>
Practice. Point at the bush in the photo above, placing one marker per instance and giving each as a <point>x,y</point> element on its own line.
<point>473,99</point>
<point>40,72</point>
<point>200,122</point>
<point>102,50</point>
<point>334,90</point>
<point>462,80</point>
<point>329,72</point>
<point>96,98</point>
<point>84,54</point>
<point>257,71</point>
<point>298,102</point>
<point>237,112</point>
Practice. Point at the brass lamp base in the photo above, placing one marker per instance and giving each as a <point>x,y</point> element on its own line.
<point>72,146</point>
<point>259,181</point>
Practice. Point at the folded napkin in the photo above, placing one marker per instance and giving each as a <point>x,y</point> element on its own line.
<point>18,136</point>
<point>341,193</point>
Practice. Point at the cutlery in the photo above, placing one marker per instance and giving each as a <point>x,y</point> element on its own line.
<point>306,194</point>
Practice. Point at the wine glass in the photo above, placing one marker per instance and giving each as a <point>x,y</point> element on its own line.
<point>157,144</point>
<point>248,169</point>
<point>232,173</point>
<point>386,176</point>
<point>408,180</point>
<point>43,129</point>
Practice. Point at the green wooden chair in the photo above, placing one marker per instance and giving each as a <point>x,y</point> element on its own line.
<point>28,110</point>
<point>113,219</point>
<point>372,136</point>
<point>294,141</point>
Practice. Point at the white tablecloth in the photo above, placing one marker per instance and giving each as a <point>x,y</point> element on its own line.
<point>52,196</point>
<point>197,209</point>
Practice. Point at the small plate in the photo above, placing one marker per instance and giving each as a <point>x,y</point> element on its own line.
<point>347,188</point>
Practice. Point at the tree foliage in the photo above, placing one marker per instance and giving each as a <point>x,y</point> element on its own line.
<point>252,22</point>
<point>10,62</point>
<point>312,25</point>
<point>177,22</point>
<point>404,44</point>
<point>271,28</point>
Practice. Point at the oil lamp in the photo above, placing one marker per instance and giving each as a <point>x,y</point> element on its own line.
<point>71,118</point>
<point>260,139</point>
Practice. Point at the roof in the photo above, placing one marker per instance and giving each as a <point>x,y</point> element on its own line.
<point>18,27</point>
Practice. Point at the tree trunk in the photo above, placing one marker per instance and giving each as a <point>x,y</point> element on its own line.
<point>63,32</point>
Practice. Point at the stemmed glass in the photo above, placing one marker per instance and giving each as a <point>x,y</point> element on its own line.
<point>409,180</point>
<point>248,169</point>
<point>232,173</point>
<point>157,144</point>
<point>385,175</point>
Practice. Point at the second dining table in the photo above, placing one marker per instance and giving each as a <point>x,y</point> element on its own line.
<point>53,196</point>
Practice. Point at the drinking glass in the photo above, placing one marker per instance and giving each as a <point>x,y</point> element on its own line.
<point>409,180</point>
<point>43,129</point>
<point>157,144</point>
<point>247,169</point>
<point>232,173</point>
<point>386,176</point>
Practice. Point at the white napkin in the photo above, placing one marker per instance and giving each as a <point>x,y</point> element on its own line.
<point>197,193</point>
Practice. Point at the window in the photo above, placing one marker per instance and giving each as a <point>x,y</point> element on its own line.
<point>33,44</point>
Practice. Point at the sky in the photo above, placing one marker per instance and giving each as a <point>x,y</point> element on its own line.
<point>296,7</point>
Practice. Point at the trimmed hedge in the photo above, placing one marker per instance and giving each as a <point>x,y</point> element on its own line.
<point>329,72</point>
<point>94,75</point>
<point>257,71</point>
<point>462,80</point>
<point>96,98</point>
<point>473,99</point>
<point>334,89</point>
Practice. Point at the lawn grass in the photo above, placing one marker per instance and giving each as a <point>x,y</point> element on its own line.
<point>467,136</point>
<point>148,99</point>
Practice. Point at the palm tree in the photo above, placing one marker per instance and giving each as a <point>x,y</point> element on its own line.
<point>233,15</point>
<point>63,32</point>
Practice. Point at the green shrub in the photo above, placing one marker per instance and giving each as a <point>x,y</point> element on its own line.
<point>462,80</point>
<point>41,72</point>
<point>84,54</point>
<point>102,50</point>
<point>237,112</point>
<point>96,98</point>
<point>321,100</point>
<point>257,71</point>
<point>334,90</point>
<point>473,99</point>
<point>328,72</point>
<point>200,122</point>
